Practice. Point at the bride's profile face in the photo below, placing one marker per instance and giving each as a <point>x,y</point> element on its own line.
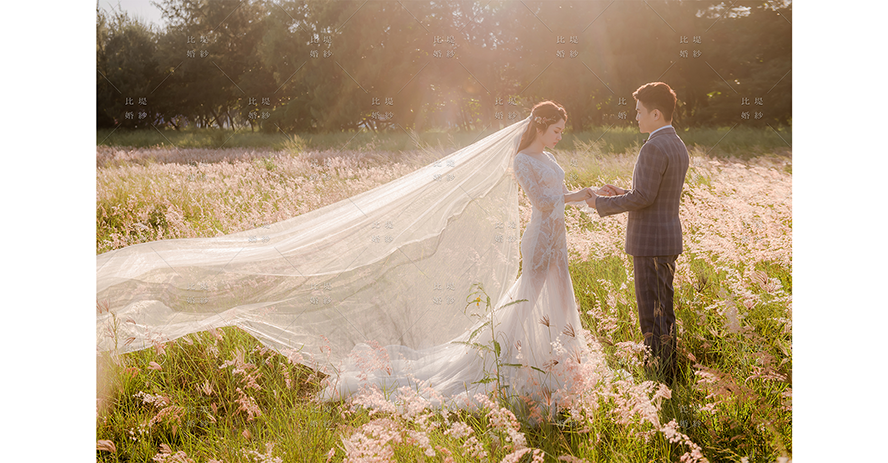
<point>552,134</point>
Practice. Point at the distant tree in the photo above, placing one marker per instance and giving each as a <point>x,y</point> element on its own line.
<point>125,71</point>
<point>317,65</point>
<point>208,55</point>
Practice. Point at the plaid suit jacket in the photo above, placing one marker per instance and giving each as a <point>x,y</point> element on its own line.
<point>654,228</point>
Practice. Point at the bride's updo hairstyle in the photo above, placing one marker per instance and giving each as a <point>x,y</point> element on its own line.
<point>544,114</point>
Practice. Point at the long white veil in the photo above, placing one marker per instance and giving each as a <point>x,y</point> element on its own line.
<point>393,266</point>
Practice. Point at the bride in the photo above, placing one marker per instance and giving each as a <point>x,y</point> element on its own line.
<point>385,267</point>
<point>535,326</point>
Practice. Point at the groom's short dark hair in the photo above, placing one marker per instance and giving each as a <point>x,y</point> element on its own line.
<point>657,95</point>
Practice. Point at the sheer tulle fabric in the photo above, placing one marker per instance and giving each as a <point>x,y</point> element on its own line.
<point>390,267</point>
<point>534,336</point>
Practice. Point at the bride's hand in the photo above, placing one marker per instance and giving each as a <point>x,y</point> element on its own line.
<point>610,190</point>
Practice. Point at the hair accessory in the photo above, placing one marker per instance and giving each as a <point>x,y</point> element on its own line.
<point>540,120</point>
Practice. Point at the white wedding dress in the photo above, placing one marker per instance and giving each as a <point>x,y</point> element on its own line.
<point>388,267</point>
<point>532,336</point>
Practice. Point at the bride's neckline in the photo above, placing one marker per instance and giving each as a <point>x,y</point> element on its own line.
<point>541,156</point>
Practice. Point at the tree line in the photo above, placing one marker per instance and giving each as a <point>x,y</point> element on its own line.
<point>321,66</point>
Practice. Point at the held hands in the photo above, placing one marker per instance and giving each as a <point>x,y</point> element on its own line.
<point>590,193</point>
<point>610,190</point>
<point>607,190</point>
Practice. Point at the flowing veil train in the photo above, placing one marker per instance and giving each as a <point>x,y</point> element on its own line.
<point>391,266</point>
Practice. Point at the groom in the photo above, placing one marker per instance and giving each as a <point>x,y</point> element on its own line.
<point>653,233</point>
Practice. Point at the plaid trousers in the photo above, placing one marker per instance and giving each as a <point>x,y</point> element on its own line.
<point>654,293</point>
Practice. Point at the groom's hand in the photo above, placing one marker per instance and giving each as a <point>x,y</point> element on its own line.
<point>610,190</point>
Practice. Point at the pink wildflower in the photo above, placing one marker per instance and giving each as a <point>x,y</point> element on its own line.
<point>267,457</point>
<point>166,455</point>
<point>515,456</point>
<point>247,405</point>
<point>571,459</point>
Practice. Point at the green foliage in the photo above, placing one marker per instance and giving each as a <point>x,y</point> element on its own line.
<point>127,71</point>
<point>200,398</point>
<point>319,66</point>
<point>751,418</point>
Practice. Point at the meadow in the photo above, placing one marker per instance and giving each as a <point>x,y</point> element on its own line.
<point>737,141</point>
<point>221,396</point>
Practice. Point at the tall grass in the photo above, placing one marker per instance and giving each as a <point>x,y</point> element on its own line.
<point>221,396</point>
<point>394,140</point>
<point>735,141</point>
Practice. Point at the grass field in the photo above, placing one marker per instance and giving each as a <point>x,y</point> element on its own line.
<point>221,396</point>
<point>735,141</point>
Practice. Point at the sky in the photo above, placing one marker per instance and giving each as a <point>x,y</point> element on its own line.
<point>141,9</point>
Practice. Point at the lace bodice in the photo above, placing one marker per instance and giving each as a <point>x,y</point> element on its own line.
<point>542,179</point>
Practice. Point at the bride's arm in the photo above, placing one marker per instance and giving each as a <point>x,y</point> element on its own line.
<point>576,196</point>
<point>529,180</point>
<point>580,204</point>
